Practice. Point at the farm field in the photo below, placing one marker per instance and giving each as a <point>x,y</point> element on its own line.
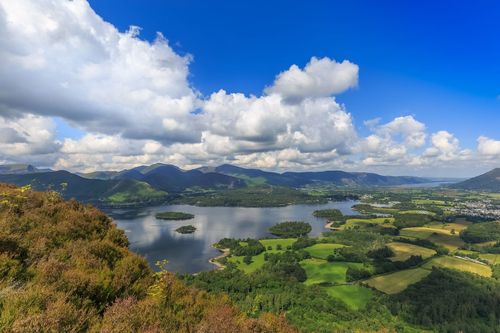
<point>273,242</point>
<point>379,220</point>
<point>355,296</point>
<point>459,264</point>
<point>493,259</point>
<point>318,270</point>
<point>441,237</point>
<point>322,250</point>
<point>427,202</point>
<point>417,211</point>
<point>457,226</point>
<point>404,251</point>
<point>394,283</point>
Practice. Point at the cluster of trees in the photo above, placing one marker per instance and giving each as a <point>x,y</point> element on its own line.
<point>411,220</point>
<point>290,229</point>
<point>65,267</point>
<point>174,216</point>
<point>450,301</point>
<point>246,247</point>
<point>481,232</point>
<point>330,214</point>
<point>186,229</point>
<point>303,242</point>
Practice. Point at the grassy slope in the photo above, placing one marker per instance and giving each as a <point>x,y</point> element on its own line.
<point>394,283</point>
<point>322,250</point>
<point>459,264</point>
<point>404,251</point>
<point>133,192</point>
<point>258,260</point>
<point>438,236</point>
<point>355,296</point>
<point>318,270</point>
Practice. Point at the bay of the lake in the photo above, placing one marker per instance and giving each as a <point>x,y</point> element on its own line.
<point>190,253</point>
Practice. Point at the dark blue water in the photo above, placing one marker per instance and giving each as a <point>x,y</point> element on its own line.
<point>189,253</point>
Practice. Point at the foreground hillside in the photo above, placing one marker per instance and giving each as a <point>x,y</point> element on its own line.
<point>65,267</point>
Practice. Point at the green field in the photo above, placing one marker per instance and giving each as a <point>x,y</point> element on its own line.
<point>415,211</point>
<point>493,259</point>
<point>457,226</point>
<point>403,251</point>
<point>322,250</point>
<point>438,236</point>
<point>394,283</point>
<point>318,270</point>
<point>459,264</point>
<point>427,202</point>
<point>258,260</point>
<point>360,222</point>
<point>355,296</point>
<point>284,242</point>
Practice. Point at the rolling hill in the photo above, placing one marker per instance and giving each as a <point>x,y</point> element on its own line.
<point>298,179</point>
<point>489,182</point>
<point>150,184</point>
<point>69,185</point>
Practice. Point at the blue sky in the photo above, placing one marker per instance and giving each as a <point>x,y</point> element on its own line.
<point>439,61</point>
<point>394,87</point>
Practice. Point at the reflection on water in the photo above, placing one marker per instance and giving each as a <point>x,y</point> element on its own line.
<point>189,253</point>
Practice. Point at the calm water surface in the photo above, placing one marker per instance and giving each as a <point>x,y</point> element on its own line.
<point>189,253</point>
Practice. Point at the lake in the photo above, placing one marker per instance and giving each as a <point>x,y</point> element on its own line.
<point>189,253</point>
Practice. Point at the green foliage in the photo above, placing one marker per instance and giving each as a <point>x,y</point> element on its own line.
<point>247,260</point>
<point>291,229</point>
<point>355,273</point>
<point>450,301</point>
<point>186,229</point>
<point>380,253</point>
<point>303,242</point>
<point>481,232</point>
<point>174,216</point>
<point>330,214</point>
<point>411,220</point>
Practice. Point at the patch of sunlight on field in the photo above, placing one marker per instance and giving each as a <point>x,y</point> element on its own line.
<point>322,250</point>
<point>438,236</point>
<point>318,270</point>
<point>459,264</point>
<point>404,251</point>
<point>355,296</point>
<point>394,283</point>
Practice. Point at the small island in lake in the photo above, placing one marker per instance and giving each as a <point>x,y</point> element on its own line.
<point>186,229</point>
<point>291,229</point>
<point>174,216</point>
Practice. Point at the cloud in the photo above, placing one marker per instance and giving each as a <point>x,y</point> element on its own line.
<point>319,78</point>
<point>134,104</point>
<point>268,123</point>
<point>72,64</point>
<point>488,147</point>
<point>27,138</point>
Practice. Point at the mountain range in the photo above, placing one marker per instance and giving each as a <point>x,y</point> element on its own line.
<point>153,183</point>
<point>489,181</point>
